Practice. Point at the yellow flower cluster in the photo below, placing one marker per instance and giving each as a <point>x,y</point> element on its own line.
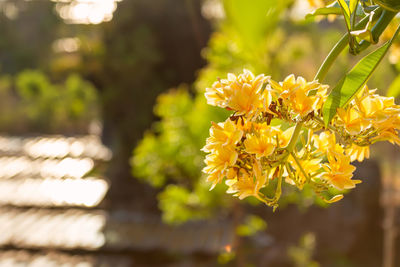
<point>369,118</point>
<point>251,154</point>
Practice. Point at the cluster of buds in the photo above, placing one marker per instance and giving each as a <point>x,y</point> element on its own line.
<point>276,132</point>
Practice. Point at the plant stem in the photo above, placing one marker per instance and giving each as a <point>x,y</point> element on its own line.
<point>301,167</point>
<point>278,191</point>
<point>332,56</point>
<point>384,20</point>
<point>323,124</point>
<point>337,49</point>
<point>323,71</point>
<point>294,137</point>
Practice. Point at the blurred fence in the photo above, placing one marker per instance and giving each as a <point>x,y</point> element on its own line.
<point>51,212</point>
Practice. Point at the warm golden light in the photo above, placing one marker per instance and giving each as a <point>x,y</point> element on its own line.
<point>86,11</point>
<point>52,228</point>
<point>86,192</point>
<point>67,45</point>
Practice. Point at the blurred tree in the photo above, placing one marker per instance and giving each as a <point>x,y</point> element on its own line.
<point>42,101</point>
<point>30,103</point>
<point>170,156</point>
<point>148,47</point>
<point>25,22</point>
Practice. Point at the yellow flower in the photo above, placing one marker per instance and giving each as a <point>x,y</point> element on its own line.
<point>246,184</point>
<point>241,94</point>
<point>351,119</point>
<point>326,141</point>
<point>284,137</point>
<point>214,178</point>
<point>245,93</point>
<point>316,3</point>
<point>339,171</point>
<point>232,173</point>
<point>255,127</point>
<point>295,94</point>
<point>247,151</point>
<point>369,110</point>
<point>218,93</point>
<point>261,143</point>
<point>376,107</point>
<point>225,134</point>
<point>380,114</point>
<point>357,152</point>
<point>266,100</point>
<point>388,134</point>
<point>307,168</point>
<point>220,160</point>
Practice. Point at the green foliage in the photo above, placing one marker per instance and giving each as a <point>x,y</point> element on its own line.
<point>169,156</point>
<point>353,82</point>
<point>182,204</point>
<point>324,11</point>
<point>251,226</point>
<point>392,5</point>
<point>171,153</point>
<point>335,9</point>
<point>346,13</point>
<point>301,255</point>
<point>253,21</point>
<point>41,106</point>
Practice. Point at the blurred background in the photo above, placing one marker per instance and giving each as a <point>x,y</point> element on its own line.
<point>102,117</point>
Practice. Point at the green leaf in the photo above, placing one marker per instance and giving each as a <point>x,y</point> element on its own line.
<point>344,6</point>
<point>333,9</point>
<point>353,5</point>
<point>323,11</point>
<point>353,13</point>
<point>394,89</point>
<point>346,12</point>
<point>349,85</point>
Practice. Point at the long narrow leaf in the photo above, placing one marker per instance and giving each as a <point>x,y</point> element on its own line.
<point>346,13</point>
<point>345,7</point>
<point>323,11</point>
<point>353,5</point>
<point>349,85</point>
<point>353,13</point>
<point>334,9</point>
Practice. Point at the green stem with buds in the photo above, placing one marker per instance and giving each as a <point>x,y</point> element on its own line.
<point>323,71</point>
<point>338,48</point>
<point>384,20</point>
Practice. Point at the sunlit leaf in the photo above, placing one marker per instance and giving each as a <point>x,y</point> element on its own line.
<point>345,7</point>
<point>346,13</point>
<point>323,11</point>
<point>348,87</point>
<point>353,5</point>
<point>334,9</point>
